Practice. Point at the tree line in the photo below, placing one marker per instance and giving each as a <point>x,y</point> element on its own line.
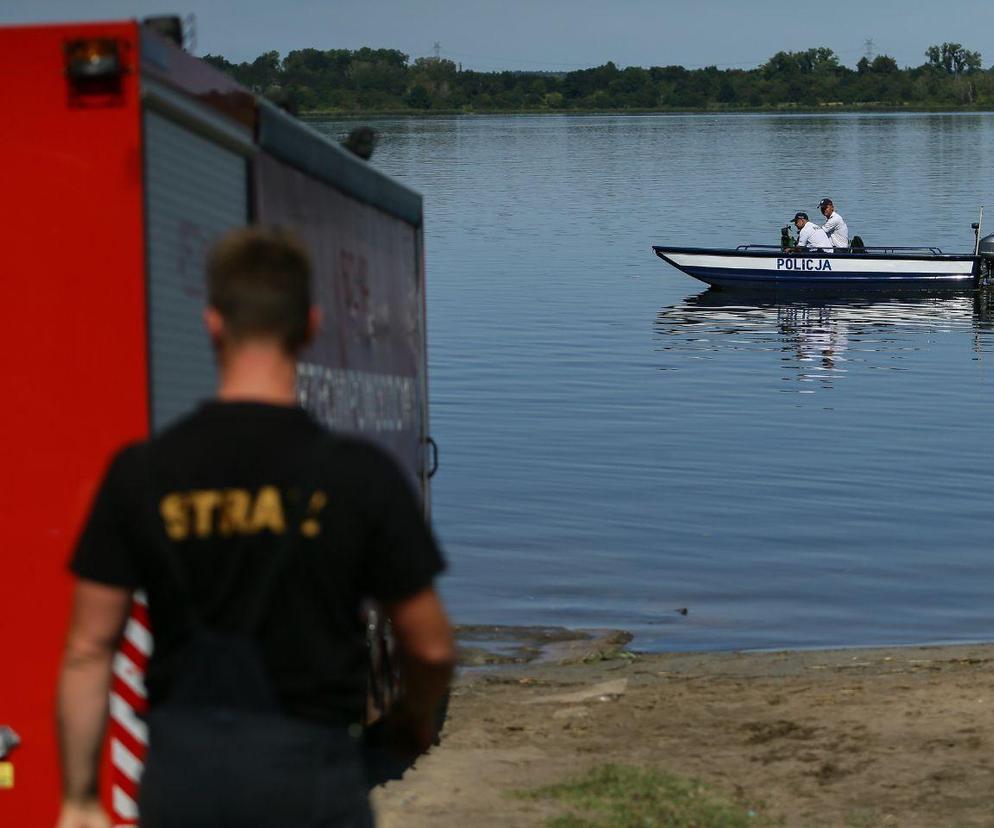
<point>368,79</point>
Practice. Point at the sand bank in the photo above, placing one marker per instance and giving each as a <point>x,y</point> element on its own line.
<point>899,736</point>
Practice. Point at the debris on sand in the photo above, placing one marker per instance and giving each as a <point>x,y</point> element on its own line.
<point>604,691</point>
<point>485,645</point>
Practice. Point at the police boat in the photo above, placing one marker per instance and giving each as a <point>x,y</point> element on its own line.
<point>856,266</point>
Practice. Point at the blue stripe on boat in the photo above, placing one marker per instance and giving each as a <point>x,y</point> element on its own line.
<point>735,276</point>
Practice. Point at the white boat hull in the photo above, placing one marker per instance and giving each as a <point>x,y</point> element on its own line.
<point>742,268</point>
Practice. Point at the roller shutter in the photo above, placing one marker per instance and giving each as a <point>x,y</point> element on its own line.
<point>195,191</point>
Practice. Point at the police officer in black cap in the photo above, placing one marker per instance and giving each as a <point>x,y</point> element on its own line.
<point>835,226</point>
<point>809,235</point>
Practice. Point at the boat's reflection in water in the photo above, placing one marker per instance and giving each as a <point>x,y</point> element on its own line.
<point>819,338</point>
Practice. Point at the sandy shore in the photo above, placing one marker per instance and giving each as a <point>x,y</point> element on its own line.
<point>880,737</point>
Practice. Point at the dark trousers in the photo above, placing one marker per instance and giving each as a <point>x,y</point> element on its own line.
<point>227,769</point>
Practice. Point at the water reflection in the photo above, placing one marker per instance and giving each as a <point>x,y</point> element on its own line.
<point>820,340</point>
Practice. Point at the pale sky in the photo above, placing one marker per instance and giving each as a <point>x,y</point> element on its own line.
<point>559,34</point>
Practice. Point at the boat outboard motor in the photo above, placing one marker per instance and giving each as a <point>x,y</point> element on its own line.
<point>985,249</point>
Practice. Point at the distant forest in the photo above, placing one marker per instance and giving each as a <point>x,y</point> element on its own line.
<point>363,80</point>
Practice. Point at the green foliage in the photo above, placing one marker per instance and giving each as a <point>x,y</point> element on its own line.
<point>812,61</point>
<point>418,98</point>
<point>885,64</point>
<point>617,796</point>
<point>386,79</point>
<point>952,59</point>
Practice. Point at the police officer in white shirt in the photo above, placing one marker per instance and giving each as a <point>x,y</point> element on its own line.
<point>810,236</point>
<point>835,226</point>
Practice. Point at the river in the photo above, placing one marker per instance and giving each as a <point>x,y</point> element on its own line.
<point>618,444</point>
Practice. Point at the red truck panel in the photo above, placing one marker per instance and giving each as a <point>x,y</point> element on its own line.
<point>73,364</point>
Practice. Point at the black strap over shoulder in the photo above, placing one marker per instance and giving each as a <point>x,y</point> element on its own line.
<point>295,512</point>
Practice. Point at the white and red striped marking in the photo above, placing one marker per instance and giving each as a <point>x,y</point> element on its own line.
<point>128,732</point>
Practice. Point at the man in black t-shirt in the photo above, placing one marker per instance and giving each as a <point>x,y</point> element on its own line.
<point>256,535</point>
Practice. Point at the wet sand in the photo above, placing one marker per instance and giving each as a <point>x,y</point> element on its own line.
<point>880,737</point>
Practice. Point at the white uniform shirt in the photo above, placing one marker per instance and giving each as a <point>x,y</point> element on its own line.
<point>812,235</point>
<point>835,228</point>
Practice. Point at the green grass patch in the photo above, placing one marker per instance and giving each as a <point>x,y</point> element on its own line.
<point>619,796</point>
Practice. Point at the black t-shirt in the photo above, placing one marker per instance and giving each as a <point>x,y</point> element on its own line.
<point>223,482</point>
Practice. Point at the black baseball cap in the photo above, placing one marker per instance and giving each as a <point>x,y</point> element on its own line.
<point>824,203</point>
<point>800,215</point>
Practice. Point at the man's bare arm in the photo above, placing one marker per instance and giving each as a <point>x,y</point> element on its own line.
<point>427,649</point>
<point>98,618</point>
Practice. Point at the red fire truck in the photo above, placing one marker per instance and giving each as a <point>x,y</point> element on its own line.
<point>123,158</point>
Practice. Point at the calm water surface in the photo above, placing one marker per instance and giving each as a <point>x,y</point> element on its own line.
<point>618,442</point>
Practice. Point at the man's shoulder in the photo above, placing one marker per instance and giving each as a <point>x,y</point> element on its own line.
<point>359,452</point>
<point>129,458</point>
<point>124,476</point>
<point>178,429</point>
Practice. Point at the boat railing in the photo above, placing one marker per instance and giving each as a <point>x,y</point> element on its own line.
<point>933,251</point>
